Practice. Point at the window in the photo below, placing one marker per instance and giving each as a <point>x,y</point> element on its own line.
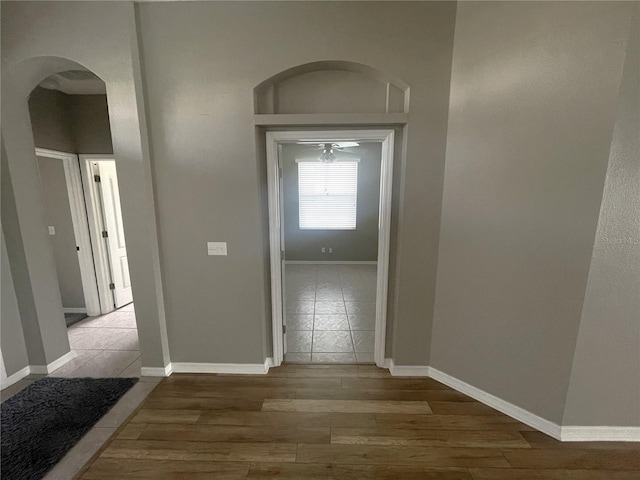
<point>327,194</point>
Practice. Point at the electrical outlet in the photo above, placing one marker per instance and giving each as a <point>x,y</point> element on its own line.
<point>322,250</point>
<point>52,230</point>
<point>216,248</point>
<point>330,250</point>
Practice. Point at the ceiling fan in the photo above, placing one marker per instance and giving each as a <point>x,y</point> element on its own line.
<point>328,149</point>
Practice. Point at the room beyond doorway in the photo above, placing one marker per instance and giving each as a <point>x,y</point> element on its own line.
<point>330,250</point>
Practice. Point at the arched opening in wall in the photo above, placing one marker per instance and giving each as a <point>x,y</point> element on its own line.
<point>330,182</point>
<point>79,185</point>
<point>331,87</point>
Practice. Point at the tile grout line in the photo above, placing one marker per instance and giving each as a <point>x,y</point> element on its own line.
<point>136,359</point>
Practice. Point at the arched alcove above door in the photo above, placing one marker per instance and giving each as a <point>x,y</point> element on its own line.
<point>331,87</point>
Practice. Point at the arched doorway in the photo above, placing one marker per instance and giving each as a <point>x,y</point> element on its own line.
<point>70,124</point>
<point>27,238</point>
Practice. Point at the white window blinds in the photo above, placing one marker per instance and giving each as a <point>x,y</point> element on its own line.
<point>328,195</point>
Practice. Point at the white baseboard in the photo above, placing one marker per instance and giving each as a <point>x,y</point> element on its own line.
<point>600,434</point>
<point>236,368</point>
<point>53,366</point>
<point>328,262</point>
<point>75,310</point>
<point>16,377</point>
<point>387,363</point>
<point>156,371</point>
<point>408,370</point>
<point>268,363</point>
<point>520,414</point>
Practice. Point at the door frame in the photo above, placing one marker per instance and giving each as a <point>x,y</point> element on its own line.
<point>96,226</point>
<point>275,138</point>
<point>73,179</point>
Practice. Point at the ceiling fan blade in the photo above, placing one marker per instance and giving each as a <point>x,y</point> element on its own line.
<point>355,150</point>
<point>345,154</point>
<point>334,144</point>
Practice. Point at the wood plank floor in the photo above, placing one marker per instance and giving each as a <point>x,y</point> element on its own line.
<point>339,422</point>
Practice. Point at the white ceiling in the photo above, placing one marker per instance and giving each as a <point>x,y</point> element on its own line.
<point>75,82</point>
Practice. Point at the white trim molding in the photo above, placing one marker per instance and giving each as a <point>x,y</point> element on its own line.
<point>407,370</point>
<point>53,366</point>
<point>80,226</point>
<point>268,363</point>
<point>335,119</point>
<point>520,414</point>
<point>156,371</point>
<point>322,262</point>
<point>571,433</point>
<point>16,377</point>
<point>233,368</point>
<point>273,141</point>
<point>563,433</point>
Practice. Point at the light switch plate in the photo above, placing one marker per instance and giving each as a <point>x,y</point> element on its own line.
<point>52,230</point>
<point>217,248</point>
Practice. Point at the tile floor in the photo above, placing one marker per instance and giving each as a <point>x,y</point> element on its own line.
<point>105,346</point>
<point>330,313</point>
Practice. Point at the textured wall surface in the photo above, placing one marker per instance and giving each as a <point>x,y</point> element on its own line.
<point>530,126</point>
<point>606,365</point>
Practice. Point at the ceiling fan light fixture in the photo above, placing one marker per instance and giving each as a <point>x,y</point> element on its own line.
<point>327,155</point>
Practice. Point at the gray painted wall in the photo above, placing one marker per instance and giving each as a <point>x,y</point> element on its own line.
<point>14,244</point>
<point>360,244</point>
<point>606,364</point>
<point>210,182</point>
<point>533,101</point>
<point>58,215</point>
<point>14,350</point>
<point>39,39</point>
<point>90,123</point>
<point>51,120</point>
<point>70,123</point>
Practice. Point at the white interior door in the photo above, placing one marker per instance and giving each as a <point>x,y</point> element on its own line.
<point>116,247</point>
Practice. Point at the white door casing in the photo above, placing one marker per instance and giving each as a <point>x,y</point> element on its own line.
<point>116,245</point>
<point>282,250</point>
<point>273,140</point>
